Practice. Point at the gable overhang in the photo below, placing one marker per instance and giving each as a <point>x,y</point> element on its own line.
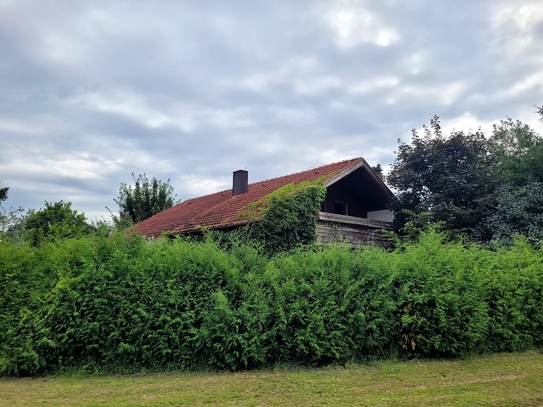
<point>362,165</point>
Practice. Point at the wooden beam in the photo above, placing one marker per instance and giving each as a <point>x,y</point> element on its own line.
<point>353,220</point>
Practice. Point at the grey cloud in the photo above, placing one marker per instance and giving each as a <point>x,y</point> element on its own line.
<point>91,92</point>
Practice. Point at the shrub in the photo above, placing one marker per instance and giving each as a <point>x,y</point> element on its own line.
<point>123,304</point>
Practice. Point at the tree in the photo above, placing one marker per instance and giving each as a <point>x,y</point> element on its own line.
<point>518,212</point>
<point>519,152</point>
<point>378,170</point>
<point>11,220</point>
<point>491,188</point>
<point>55,222</point>
<point>447,177</point>
<point>519,169</point>
<point>4,194</point>
<point>143,200</point>
<point>12,223</point>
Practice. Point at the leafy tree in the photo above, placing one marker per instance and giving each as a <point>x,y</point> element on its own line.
<point>143,200</point>
<point>378,170</point>
<point>4,194</point>
<point>12,223</point>
<point>519,152</point>
<point>12,220</point>
<point>56,221</point>
<point>518,212</point>
<point>519,169</point>
<point>447,177</point>
<point>539,111</point>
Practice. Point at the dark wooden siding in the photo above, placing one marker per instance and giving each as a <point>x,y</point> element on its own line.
<point>337,193</point>
<point>353,231</point>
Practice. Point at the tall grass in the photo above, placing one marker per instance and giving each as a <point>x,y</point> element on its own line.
<point>123,304</point>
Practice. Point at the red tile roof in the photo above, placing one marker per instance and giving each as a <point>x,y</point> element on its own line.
<point>222,210</point>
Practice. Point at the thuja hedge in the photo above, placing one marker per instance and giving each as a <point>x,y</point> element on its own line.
<point>122,304</point>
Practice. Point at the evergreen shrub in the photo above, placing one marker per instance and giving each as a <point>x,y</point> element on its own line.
<point>123,304</point>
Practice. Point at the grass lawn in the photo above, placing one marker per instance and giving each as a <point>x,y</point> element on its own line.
<point>496,380</point>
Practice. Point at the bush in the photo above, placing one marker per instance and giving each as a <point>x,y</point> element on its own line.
<point>440,298</point>
<point>123,304</point>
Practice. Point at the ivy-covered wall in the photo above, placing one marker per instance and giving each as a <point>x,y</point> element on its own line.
<point>289,217</point>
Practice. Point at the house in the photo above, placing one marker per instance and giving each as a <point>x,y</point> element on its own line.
<point>355,209</point>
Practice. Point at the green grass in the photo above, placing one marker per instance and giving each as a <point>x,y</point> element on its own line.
<point>496,380</point>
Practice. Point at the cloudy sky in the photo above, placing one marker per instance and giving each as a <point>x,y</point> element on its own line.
<point>92,91</point>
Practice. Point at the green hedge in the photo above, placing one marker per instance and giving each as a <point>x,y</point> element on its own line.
<point>122,304</point>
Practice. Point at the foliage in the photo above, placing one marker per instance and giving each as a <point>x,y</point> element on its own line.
<point>4,193</point>
<point>519,152</point>
<point>286,217</point>
<point>378,170</point>
<point>518,212</point>
<point>143,200</point>
<point>12,220</point>
<point>54,222</point>
<point>12,223</point>
<point>488,189</point>
<point>281,221</point>
<point>449,177</point>
<point>441,299</point>
<point>122,304</point>
<point>256,209</point>
<point>514,297</point>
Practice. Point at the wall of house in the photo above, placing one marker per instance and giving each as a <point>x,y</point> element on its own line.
<point>336,233</point>
<point>353,231</point>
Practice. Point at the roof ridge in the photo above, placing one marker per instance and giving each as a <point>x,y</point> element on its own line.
<point>309,169</point>
<point>274,178</point>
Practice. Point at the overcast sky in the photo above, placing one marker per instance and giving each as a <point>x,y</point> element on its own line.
<point>92,91</point>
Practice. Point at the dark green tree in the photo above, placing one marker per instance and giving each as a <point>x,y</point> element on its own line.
<point>143,200</point>
<point>55,222</point>
<point>378,170</point>
<point>4,193</point>
<point>449,178</point>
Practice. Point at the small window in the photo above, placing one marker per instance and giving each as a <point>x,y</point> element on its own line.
<point>340,208</point>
